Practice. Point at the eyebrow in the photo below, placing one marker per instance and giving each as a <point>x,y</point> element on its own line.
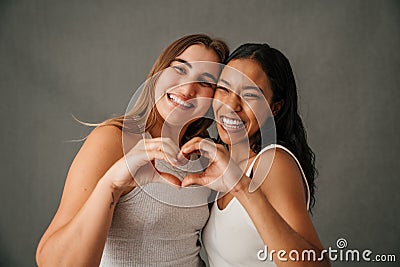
<point>254,88</point>
<point>183,61</point>
<point>245,87</point>
<point>225,82</point>
<point>209,75</point>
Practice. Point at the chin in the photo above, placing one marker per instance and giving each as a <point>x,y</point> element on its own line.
<point>232,138</point>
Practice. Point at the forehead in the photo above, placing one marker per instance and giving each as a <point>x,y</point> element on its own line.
<point>245,72</point>
<point>199,52</point>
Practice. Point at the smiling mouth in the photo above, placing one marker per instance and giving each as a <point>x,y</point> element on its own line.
<point>179,101</point>
<point>231,124</point>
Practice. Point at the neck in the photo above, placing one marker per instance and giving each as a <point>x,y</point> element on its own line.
<point>168,131</point>
<point>241,152</point>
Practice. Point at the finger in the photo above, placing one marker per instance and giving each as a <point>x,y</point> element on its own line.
<point>144,157</point>
<point>193,140</point>
<point>188,148</point>
<point>194,179</point>
<point>155,151</point>
<point>207,149</point>
<point>166,145</point>
<point>149,174</point>
<point>171,149</point>
<point>162,155</point>
<point>140,159</point>
<point>152,144</point>
<point>165,142</point>
<point>169,179</point>
<point>196,145</point>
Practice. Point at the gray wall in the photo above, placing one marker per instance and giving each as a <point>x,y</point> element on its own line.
<point>86,58</point>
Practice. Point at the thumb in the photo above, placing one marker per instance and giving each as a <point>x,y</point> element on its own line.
<point>197,179</point>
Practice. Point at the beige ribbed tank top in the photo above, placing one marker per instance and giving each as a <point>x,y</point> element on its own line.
<point>157,225</point>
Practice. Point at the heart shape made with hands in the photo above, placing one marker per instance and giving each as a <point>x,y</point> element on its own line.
<point>205,172</point>
<point>184,164</point>
<point>219,174</point>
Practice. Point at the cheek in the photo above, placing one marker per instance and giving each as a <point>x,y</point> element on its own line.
<point>161,110</point>
<point>216,104</point>
<point>204,103</point>
<point>258,114</point>
<point>217,101</point>
<point>206,93</point>
<point>165,82</point>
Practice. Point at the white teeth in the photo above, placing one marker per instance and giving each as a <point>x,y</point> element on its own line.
<point>179,101</point>
<point>232,123</point>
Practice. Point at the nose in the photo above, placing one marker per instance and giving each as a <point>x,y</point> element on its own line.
<point>233,101</point>
<point>188,89</point>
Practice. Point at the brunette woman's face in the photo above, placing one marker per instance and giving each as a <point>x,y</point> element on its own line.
<point>241,102</point>
<point>184,91</point>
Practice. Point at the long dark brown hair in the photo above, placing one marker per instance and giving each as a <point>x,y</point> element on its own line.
<point>290,131</point>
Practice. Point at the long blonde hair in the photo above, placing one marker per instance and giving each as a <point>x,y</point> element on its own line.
<point>143,115</point>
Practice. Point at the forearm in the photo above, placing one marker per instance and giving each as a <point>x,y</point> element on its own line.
<point>275,232</point>
<point>81,241</point>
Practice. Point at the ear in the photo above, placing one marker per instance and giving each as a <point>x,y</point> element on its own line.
<point>276,107</point>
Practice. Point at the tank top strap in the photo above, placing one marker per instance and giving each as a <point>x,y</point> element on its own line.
<point>274,146</point>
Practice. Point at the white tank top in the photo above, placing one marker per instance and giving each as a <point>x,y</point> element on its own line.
<point>230,237</point>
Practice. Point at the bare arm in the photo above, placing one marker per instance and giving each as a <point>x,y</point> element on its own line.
<point>98,176</point>
<point>77,234</point>
<point>278,210</point>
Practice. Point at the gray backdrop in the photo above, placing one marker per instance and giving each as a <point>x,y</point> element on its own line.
<point>86,58</point>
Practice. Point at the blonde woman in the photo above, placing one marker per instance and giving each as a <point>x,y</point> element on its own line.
<point>104,218</point>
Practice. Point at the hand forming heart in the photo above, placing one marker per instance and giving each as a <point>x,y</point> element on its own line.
<point>137,166</point>
<point>221,175</point>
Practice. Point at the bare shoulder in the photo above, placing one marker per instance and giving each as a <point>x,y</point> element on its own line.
<point>281,162</point>
<point>283,183</point>
<point>101,149</point>
<point>108,136</point>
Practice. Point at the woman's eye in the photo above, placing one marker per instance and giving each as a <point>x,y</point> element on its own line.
<point>180,69</point>
<point>207,84</point>
<point>250,95</point>
<point>224,89</point>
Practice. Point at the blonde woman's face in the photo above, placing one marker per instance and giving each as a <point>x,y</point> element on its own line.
<point>184,91</point>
